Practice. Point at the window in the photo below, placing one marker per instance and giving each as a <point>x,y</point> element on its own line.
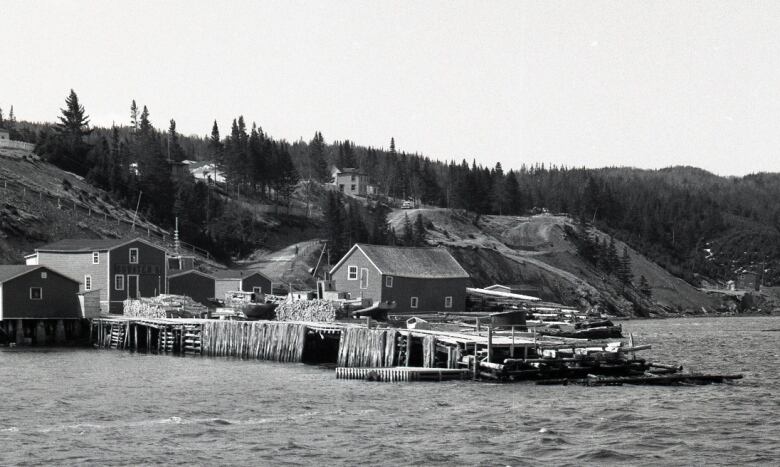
<point>44,275</point>
<point>95,257</point>
<point>389,282</point>
<point>352,179</point>
<point>414,303</point>
<point>257,290</point>
<point>352,273</point>
<point>341,187</point>
<point>36,293</point>
<point>87,282</point>
<point>119,282</point>
<point>133,255</point>
<point>448,302</point>
<point>353,188</point>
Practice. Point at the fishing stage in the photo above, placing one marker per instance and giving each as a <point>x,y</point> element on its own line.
<point>365,351</point>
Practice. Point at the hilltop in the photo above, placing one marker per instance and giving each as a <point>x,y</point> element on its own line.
<point>536,251</point>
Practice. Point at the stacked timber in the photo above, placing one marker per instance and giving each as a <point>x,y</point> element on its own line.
<point>324,311</point>
<point>164,306</point>
<point>261,340</point>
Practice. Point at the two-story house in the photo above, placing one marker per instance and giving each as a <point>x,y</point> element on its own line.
<point>120,269</point>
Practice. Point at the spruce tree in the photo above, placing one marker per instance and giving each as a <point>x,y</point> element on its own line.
<point>624,271</point>
<point>644,287</point>
<point>408,231</point>
<point>134,116</point>
<point>419,230</point>
<point>144,125</point>
<point>318,167</point>
<point>175,151</point>
<point>74,122</point>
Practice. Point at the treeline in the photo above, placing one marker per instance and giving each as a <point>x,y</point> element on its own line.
<point>141,168</point>
<point>348,221</point>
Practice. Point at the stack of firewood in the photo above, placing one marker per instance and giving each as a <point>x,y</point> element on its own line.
<point>309,310</point>
<point>164,306</point>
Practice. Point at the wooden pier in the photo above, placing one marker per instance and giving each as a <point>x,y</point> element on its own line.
<point>390,354</point>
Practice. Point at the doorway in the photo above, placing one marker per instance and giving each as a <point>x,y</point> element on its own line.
<point>132,287</point>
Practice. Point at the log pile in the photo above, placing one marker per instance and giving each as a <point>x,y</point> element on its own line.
<point>164,306</point>
<point>309,310</point>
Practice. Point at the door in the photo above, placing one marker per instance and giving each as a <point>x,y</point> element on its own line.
<point>132,287</point>
<point>363,278</point>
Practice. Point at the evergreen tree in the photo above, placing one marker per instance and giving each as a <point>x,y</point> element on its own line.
<point>613,261</point>
<point>216,150</point>
<point>514,203</point>
<point>175,151</point>
<point>1,118</point>
<point>134,116</point>
<point>144,125</point>
<point>498,191</point>
<point>334,225</point>
<point>408,231</point>
<point>318,168</point>
<point>11,123</point>
<point>419,230</point>
<point>74,122</point>
<point>644,287</point>
<point>624,271</point>
<point>380,229</point>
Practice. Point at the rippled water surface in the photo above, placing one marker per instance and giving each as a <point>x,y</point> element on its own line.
<point>112,407</point>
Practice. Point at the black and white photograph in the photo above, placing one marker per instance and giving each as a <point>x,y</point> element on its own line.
<point>389,232</point>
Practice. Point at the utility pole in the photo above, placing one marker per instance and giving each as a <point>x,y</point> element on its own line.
<point>138,204</point>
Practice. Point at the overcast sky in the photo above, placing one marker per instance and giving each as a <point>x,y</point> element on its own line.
<point>645,84</point>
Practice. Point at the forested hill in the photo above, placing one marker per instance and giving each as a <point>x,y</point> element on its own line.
<point>690,221</point>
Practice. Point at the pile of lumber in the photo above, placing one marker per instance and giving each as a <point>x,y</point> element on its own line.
<point>309,310</point>
<point>164,306</point>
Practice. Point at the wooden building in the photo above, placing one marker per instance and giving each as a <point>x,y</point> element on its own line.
<point>195,284</point>
<point>416,279</point>
<point>350,181</point>
<point>230,280</point>
<point>748,280</point>
<point>37,292</point>
<point>119,268</point>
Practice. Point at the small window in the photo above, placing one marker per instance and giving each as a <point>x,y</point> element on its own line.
<point>414,303</point>
<point>352,179</point>
<point>44,275</point>
<point>133,255</point>
<point>36,293</point>
<point>257,290</point>
<point>95,257</point>
<point>389,282</point>
<point>353,188</point>
<point>87,282</point>
<point>447,302</point>
<point>352,272</point>
<point>119,282</point>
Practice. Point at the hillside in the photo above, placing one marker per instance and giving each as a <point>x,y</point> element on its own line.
<point>536,251</point>
<point>42,203</point>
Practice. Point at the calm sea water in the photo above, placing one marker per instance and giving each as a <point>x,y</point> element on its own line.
<point>112,407</point>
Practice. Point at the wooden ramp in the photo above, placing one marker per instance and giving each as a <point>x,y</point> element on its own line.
<point>401,374</point>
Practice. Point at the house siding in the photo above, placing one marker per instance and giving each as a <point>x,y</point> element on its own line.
<point>195,286</point>
<point>430,293</point>
<point>59,296</point>
<point>151,272</point>
<point>342,284</point>
<point>222,286</point>
<point>256,280</point>
<point>76,266</point>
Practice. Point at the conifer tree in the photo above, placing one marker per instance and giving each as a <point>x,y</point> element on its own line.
<point>408,231</point>
<point>624,271</point>
<point>144,125</point>
<point>644,287</point>
<point>74,122</point>
<point>419,230</point>
<point>175,151</point>
<point>1,117</point>
<point>134,116</point>
<point>318,167</point>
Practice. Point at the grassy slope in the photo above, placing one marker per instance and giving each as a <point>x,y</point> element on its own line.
<point>534,250</point>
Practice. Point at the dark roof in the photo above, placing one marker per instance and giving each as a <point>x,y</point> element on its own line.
<point>235,274</point>
<point>9,271</point>
<point>190,271</point>
<point>84,244</point>
<point>419,262</point>
<point>350,170</point>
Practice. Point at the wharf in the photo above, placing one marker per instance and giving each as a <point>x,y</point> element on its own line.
<point>388,354</point>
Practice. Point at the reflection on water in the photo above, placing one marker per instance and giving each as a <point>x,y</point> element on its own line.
<point>114,407</point>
